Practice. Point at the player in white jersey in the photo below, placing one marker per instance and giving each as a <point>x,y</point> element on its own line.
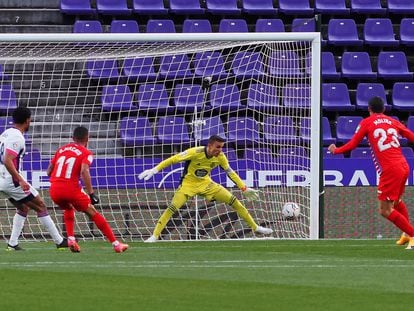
<point>12,184</point>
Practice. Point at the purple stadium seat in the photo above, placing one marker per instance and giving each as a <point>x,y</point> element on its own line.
<point>402,96</point>
<point>357,65</point>
<point>343,32</point>
<point>303,25</point>
<point>331,7</point>
<point>247,65</point>
<point>186,7</point>
<point>379,32</point>
<point>335,97</point>
<point>160,26</point>
<point>296,96</point>
<point>230,153</point>
<point>117,98</point>
<point>102,69</point>
<point>3,75</point>
<point>197,25</point>
<point>8,99</point>
<point>260,158</point>
<point>297,7</point>
<point>211,126</point>
<point>407,31</point>
<point>243,131</point>
<point>87,27</point>
<point>5,123</point>
<point>393,65</point>
<point>284,64</point>
<point>188,97</point>
<point>346,127</point>
<point>113,7</point>
<point>139,69</point>
<point>367,7</point>
<point>222,7</point>
<point>209,64</point>
<point>175,66</point>
<point>328,66</point>
<point>410,124</point>
<point>366,91</point>
<point>291,151</point>
<point>259,7</point>
<point>124,26</point>
<point>269,25</point>
<point>136,132</point>
<point>225,97</point>
<point>262,96</point>
<point>153,97</point>
<point>233,25</point>
<point>76,7</point>
<point>172,130</point>
<point>401,6</point>
<point>327,154</point>
<point>149,7</point>
<point>280,130</point>
<point>361,153</point>
<point>305,131</point>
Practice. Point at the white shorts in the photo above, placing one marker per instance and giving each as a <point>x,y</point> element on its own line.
<point>16,193</point>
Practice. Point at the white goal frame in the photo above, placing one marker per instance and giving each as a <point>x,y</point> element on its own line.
<point>313,37</point>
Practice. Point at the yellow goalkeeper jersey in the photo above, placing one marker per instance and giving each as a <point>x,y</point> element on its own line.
<point>198,166</point>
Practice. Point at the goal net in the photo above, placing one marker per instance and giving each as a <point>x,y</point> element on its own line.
<point>145,97</point>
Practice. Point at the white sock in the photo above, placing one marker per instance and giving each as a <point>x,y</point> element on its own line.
<point>18,223</point>
<point>51,227</point>
<point>115,243</point>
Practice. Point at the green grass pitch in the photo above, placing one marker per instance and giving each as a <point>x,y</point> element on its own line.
<point>237,275</point>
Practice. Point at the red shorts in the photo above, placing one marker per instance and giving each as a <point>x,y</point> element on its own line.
<point>67,197</point>
<point>392,182</point>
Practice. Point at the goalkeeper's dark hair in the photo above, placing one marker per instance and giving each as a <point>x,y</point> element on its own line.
<point>376,104</point>
<point>21,114</point>
<point>80,133</point>
<point>215,138</point>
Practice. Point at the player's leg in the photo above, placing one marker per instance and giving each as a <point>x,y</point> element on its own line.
<point>17,226</point>
<point>402,209</point>
<point>178,200</point>
<point>32,200</point>
<point>217,192</point>
<point>82,203</point>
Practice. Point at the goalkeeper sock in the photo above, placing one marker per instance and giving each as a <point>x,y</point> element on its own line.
<point>69,219</point>
<point>162,222</point>
<point>48,223</point>
<point>243,212</point>
<point>402,209</point>
<point>401,222</point>
<point>103,225</point>
<point>18,223</point>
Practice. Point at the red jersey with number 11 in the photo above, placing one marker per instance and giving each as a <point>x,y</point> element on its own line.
<point>67,163</point>
<point>382,132</point>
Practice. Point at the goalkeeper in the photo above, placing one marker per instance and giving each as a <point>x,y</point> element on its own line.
<point>196,181</point>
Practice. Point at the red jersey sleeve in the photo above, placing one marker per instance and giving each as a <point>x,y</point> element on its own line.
<point>88,159</point>
<point>405,132</point>
<point>359,135</point>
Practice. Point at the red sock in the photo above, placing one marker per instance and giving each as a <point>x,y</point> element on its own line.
<point>402,209</point>
<point>102,224</point>
<point>69,219</point>
<point>401,222</point>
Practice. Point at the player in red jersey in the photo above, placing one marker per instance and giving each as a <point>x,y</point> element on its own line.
<point>70,164</point>
<point>382,132</point>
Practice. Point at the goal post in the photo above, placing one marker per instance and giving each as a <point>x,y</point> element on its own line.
<point>145,97</point>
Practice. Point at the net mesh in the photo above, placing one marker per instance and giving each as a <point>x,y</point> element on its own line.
<point>143,102</point>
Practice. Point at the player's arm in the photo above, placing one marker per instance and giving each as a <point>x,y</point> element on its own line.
<point>405,132</point>
<point>353,143</point>
<point>8,162</point>
<point>177,158</point>
<point>249,193</point>
<point>87,182</point>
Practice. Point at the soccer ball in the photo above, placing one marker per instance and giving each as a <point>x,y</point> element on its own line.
<point>290,210</point>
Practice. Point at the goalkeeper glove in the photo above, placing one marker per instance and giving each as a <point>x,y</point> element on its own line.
<point>147,174</point>
<point>94,198</point>
<point>250,194</point>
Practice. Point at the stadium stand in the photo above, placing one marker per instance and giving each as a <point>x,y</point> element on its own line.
<point>149,7</point>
